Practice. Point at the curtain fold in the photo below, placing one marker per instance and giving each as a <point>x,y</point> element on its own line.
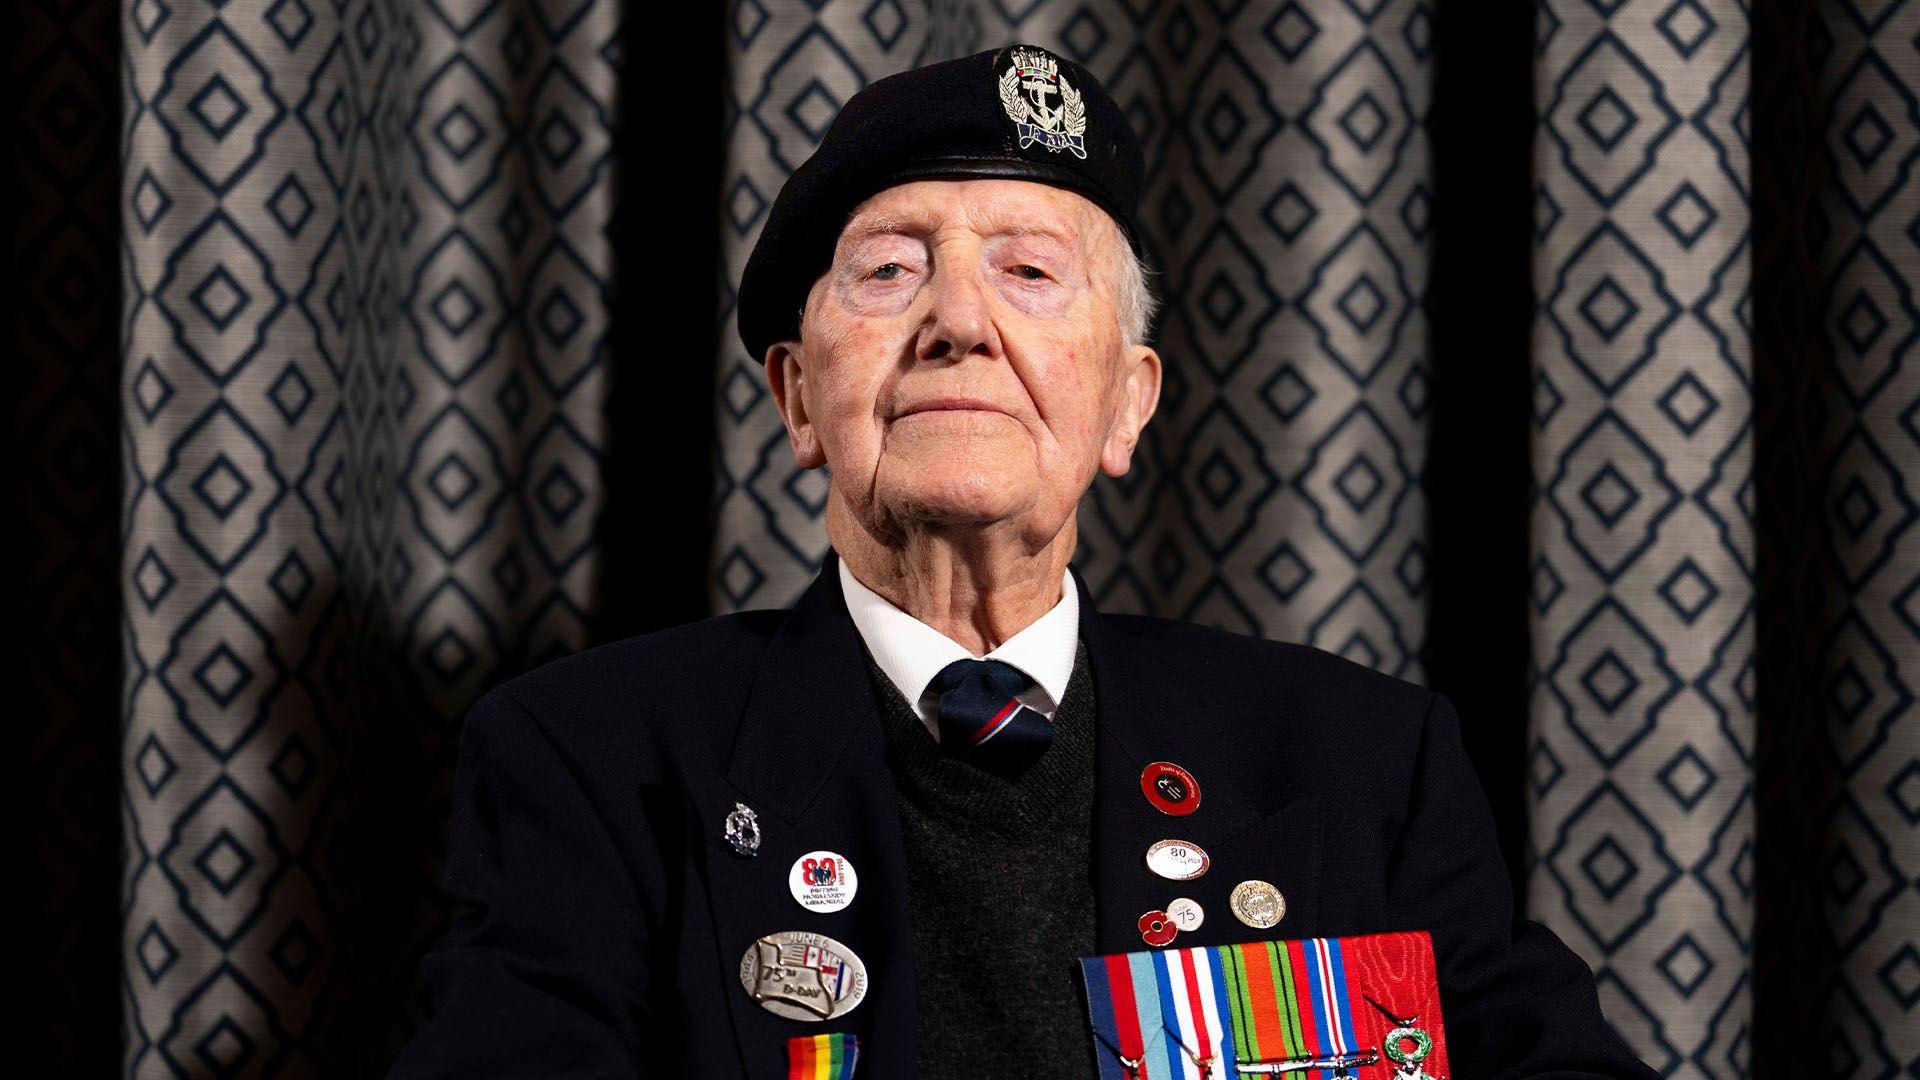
<point>365,299</point>
<point>61,490</point>
<point>1642,721</point>
<point>1863,419</point>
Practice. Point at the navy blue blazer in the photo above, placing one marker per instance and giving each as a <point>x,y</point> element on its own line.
<point>604,915</point>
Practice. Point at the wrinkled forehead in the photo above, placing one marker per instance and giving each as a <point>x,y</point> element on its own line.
<point>988,208</point>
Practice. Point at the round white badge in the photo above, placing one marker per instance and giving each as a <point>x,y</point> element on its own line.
<point>1186,914</point>
<point>1177,860</point>
<point>823,881</point>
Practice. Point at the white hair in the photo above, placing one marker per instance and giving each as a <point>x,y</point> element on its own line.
<point>1133,297</point>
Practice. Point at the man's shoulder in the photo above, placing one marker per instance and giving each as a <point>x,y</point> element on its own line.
<point>665,659</point>
<point>1220,656</point>
<point>663,688</point>
<point>1274,699</point>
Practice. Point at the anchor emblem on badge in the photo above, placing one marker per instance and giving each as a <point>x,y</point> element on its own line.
<point>1029,81</point>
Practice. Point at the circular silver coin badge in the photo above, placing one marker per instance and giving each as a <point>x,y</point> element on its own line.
<point>803,976</point>
<point>1257,903</point>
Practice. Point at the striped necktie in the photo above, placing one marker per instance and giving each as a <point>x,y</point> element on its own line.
<point>982,721</point>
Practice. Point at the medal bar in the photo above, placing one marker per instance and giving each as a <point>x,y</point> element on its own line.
<point>1279,1066</point>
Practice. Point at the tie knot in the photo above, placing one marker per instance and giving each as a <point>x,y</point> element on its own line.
<point>997,674</point>
<point>981,720</point>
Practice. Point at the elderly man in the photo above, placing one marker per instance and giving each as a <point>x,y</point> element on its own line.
<point>896,815</point>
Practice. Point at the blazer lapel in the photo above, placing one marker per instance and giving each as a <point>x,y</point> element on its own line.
<point>1151,705</point>
<point>810,760</point>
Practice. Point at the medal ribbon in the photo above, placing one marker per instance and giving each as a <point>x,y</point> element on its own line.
<point>1326,969</point>
<point>822,1057</point>
<point>1258,1001</point>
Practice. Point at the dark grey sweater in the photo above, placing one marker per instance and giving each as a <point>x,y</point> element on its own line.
<point>1000,881</point>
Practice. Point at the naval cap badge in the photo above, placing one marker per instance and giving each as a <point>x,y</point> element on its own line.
<point>1045,108</point>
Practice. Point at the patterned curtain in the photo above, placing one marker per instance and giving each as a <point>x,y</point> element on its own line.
<point>1838,136</point>
<point>365,271</point>
<point>1556,354</point>
<point>1642,716</point>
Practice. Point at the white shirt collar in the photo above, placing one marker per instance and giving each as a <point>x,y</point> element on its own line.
<point>912,653</point>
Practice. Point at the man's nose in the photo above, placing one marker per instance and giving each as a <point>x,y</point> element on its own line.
<point>960,322</point>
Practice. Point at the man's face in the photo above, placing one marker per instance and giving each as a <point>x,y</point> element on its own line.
<point>963,363</point>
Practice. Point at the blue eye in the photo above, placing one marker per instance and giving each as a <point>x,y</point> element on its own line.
<point>887,271</point>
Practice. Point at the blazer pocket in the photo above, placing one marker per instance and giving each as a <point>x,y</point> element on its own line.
<point>1281,848</point>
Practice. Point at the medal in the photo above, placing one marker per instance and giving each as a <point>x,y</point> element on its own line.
<point>1343,1062</point>
<point>1257,903</point>
<point>743,831</point>
<point>1170,789</point>
<point>1269,1008</point>
<point>803,976</point>
<point>1177,860</point>
<point>1406,1061</point>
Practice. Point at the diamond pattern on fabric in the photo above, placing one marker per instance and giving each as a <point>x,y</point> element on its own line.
<point>1642,547</point>
<point>366,262</point>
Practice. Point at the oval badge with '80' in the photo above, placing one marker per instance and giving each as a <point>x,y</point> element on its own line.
<point>803,976</point>
<point>1177,860</point>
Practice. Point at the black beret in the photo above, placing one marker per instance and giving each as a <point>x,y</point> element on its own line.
<point>969,118</point>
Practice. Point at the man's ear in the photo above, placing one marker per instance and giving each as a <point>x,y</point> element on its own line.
<point>1140,395</point>
<point>788,381</point>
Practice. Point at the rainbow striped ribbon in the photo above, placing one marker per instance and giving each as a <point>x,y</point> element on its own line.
<point>822,1057</point>
<point>1171,1010</point>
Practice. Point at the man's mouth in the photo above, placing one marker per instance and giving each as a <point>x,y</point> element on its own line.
<point>949,404</point>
